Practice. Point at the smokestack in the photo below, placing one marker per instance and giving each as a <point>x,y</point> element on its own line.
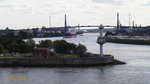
<point>133,23</point>
<point>78,26</point>
<point>65,26</point>
<point>118,20</point>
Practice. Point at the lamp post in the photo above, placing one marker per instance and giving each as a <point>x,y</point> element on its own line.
<point>101,40</point>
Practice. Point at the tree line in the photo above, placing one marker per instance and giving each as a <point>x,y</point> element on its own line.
<point>9,45</point>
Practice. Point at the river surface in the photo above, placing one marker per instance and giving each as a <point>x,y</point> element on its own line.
<point>136,71</point>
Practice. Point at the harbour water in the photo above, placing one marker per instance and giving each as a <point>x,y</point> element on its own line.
<point>136,71</point>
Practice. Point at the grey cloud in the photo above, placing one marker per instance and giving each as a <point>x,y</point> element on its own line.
<point>112,2</point>
<point>5,6</point>
<point>90,12</point>
<point>146,4</point>
<point>2,0</point>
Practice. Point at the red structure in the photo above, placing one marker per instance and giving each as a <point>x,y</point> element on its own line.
<point>41,53</point>
<point>71,36</point>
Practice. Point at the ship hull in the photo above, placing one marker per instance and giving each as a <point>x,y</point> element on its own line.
<point>69,36</point>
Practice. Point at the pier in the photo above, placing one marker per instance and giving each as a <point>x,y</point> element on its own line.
<point>57,62</point>
<point>60,61</point>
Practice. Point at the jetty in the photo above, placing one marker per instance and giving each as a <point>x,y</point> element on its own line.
<point>59,62</point>
<point>41,58</point>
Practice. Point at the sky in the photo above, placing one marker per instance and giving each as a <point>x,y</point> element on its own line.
<point>23,14</point>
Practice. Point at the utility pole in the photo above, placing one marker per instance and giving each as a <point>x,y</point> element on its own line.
<point>129,20</point>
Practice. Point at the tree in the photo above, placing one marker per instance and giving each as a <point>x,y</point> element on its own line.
<point>23,34</point>
<point>46,44</point>
<point>1,49</point>
<point>31,43</point>
<point>60,46</point>
<point>24,48</point>
<point>81,49</point>
<point>14,47</point>
<point>72,48</point>
<point>10,44</point>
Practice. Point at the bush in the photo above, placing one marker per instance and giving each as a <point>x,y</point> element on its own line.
<point>31,44</point>
<point>14,47</point>
<point>59,46</point>
<point>81,49</point>
<point>62,46</point>
<point>46,44</point>
<point>24,48</point>
<point>72,48</point>
<point>1,49</point>
<point>17,45</point>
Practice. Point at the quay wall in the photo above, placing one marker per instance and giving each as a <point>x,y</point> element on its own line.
<point>86,61</point>
<point>129,41</point>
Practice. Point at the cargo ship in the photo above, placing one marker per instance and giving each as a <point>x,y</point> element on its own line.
<point>69,36</point>
<point>68,31</point>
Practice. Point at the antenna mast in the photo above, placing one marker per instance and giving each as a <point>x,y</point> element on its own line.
<point>49,21</point>
<point>129,20</point>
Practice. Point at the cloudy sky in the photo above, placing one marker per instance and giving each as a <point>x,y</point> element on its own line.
<point>18,14</point>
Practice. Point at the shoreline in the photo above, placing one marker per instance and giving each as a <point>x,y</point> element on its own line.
<point>129,41</point>
<point>82,62</point>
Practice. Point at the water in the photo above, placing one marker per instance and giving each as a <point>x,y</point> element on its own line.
<point>136,71</point>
